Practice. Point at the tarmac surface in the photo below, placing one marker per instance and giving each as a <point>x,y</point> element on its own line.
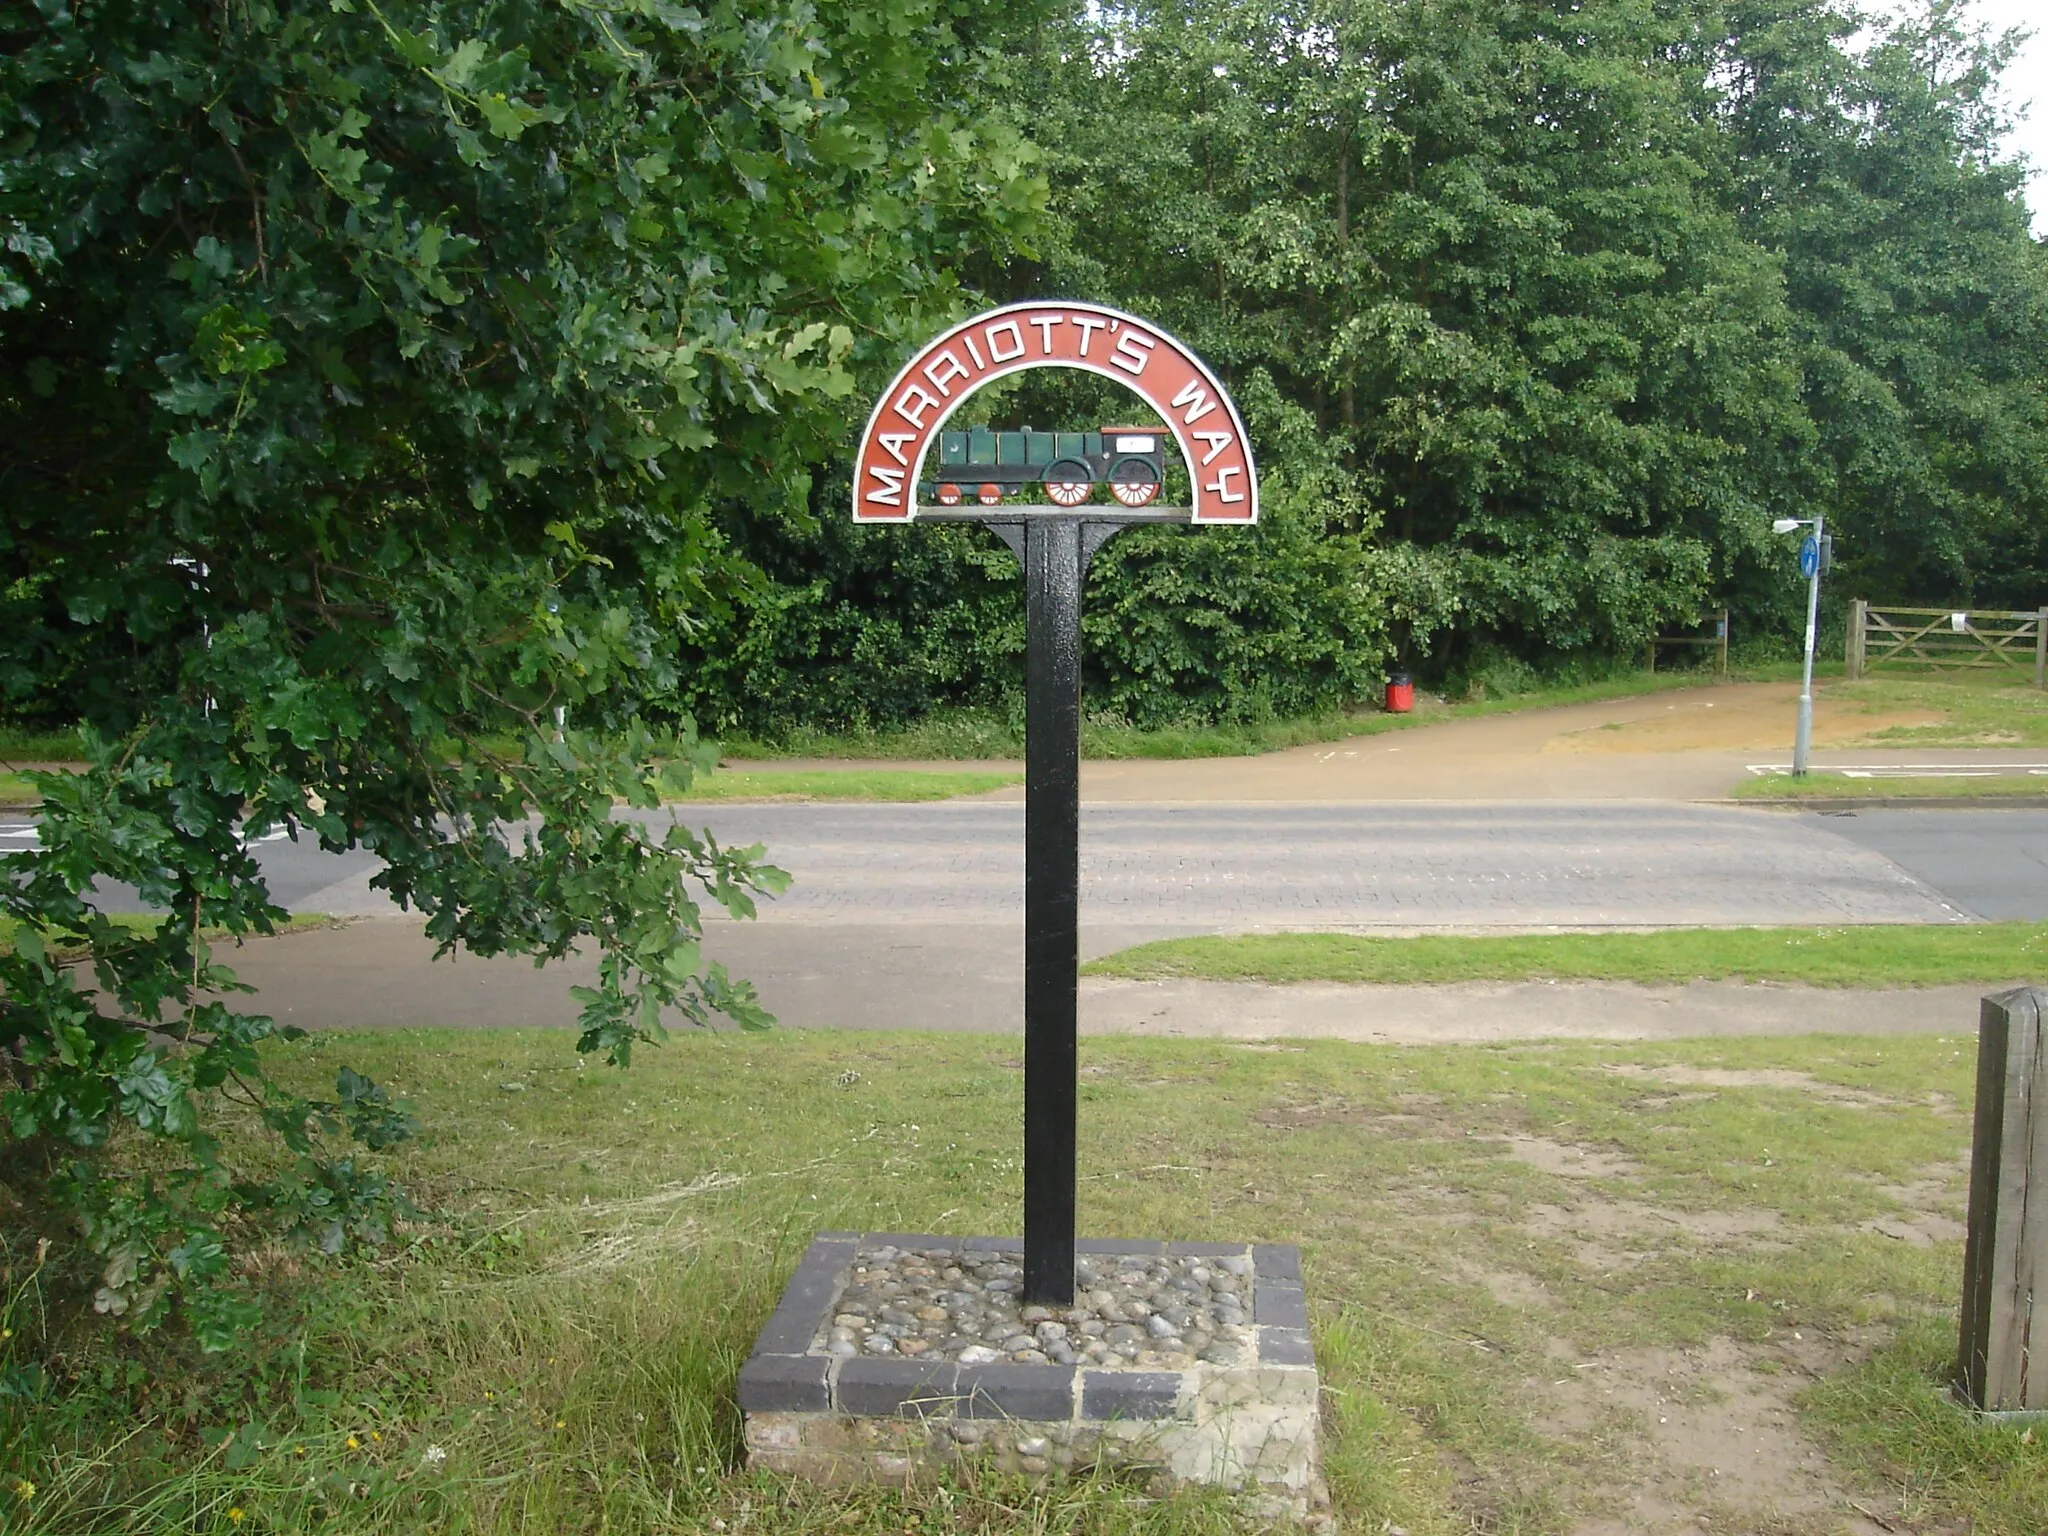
<point>910,916</point>
<point>969,978</point>
<point>1224,868</point>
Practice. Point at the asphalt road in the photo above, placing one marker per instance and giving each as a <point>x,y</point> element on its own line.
<point>1233,867</point>
<point>1991,863</point>
<point>911,915</point>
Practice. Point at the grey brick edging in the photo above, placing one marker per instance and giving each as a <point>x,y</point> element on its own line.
<point>783,1376</point>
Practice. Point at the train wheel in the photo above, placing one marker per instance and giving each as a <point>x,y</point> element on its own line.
<point>989,495</point>
<point>1133,495</point>
<point>1068,493</point>
<point>949,495</point>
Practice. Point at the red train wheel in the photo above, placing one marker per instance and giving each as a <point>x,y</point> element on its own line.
<point>1133,495</point>
<point>1067,493</point>
<point>989,495</point>
<point>949,495</point>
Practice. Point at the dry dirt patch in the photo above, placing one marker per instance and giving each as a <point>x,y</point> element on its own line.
<point>1768,1077</point>
<point>1414,1115</point>
<point>1566,1160</point>
<point>1923,1229</point>
<point>1745,718</point>
<point>1608,1236</point>
<point>1715,1445</point>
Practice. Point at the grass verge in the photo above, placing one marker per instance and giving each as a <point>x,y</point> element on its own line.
<point>1508,1252</point>
<point>16,792</point>
<point>841,784</point>
<point>1873,956</point>
<point>1978,709</point>
<point>1823,784</point>
<point>19,744</point>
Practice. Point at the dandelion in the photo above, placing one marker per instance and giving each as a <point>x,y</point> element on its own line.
<point>375,1436</point>
<point>561,1424</point>
<point>353,1443</point>
<point>236,1514</point>
<point>6,1334</point>
<point>24,1489</point>
<point>298,1450</point>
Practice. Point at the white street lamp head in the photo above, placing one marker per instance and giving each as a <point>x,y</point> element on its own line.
<point>1787,524</point>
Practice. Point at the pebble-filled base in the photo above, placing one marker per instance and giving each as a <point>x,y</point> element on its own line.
<point>1141,1311</point>
<point>893,1355</point>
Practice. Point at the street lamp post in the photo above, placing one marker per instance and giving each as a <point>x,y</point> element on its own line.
<point>1812,554</point>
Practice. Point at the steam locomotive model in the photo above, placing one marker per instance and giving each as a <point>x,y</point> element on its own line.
<point>989,465</point>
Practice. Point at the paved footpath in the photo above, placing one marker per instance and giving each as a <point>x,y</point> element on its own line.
<point>963,977</point>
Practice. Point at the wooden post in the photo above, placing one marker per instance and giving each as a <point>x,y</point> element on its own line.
<point>1650,656</point>
<point>2002,1365</point>
<point>2041,649</point>
<point>1721,645</point>
<point>1853,644</point>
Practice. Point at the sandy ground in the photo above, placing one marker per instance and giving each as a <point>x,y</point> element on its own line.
<point>1685,744</point>
<point>1688,744</point>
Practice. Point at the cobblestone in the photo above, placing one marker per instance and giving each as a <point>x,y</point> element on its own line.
<point>1145,1311</point>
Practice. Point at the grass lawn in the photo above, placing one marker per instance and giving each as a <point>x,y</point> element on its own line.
<point>1983,709</point>
<point>15,790</point>
<point>1540,1275</point>
<point>1824,784</point>
<point>1869,956</point>
<point>841,784</point>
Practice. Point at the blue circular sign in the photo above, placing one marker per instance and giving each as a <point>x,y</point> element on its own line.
<point>1809,555</point>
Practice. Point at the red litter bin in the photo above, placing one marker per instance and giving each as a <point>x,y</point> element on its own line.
<point>1400,694</point>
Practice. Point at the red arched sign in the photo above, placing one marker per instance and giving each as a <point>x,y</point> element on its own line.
<point>1170,379</point>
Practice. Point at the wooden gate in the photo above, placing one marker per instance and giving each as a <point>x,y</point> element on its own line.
<point>1718,640</point>
<point>1947,639</point>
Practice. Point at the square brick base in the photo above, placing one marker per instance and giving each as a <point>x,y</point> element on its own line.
<point>1250,1426</point>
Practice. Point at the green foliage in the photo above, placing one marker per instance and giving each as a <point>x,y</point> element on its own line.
<point>1541,311</point>
<point>361,369</point>
<point>858,628</point>
<point>1478,245</point>
<point>381,383</point>
<point>1919,304</point>
<point>1293,617</point>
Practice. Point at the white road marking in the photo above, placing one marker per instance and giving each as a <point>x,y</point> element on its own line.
<point>1918,770</point>
<point>19,834</point>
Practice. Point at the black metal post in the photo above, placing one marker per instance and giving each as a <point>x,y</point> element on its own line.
<point>1053,563</point>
